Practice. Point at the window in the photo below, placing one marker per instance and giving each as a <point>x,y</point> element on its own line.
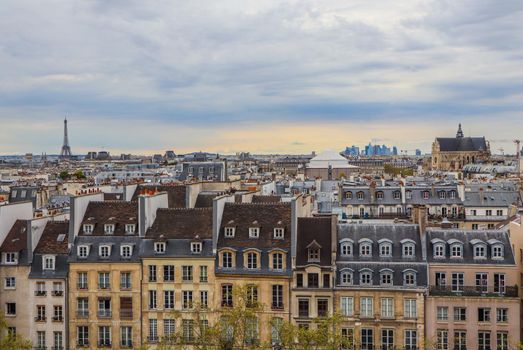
<point>410,308</point>
<point>442,339</point>
<point>40,289</point>
<point>126,307</point>
<point>227,260</point>
<point>367,339</point>
<point>252,296</point>
<point>439,251</point>
<point>152,300</point>
<point>168,299</point>
<point>40,313</point>
<point>483,340</point>
<point>168,273</point>
<point>153,330</point>
<point>408,194</point>
<point>299,280</point>
<point>501,315</point>
<point>227,295</point>
<point>252,260</point>
<point>251,330</point>
<point>499,212</point>
<point>408,250</point>
<point>475,226</point>
<point>10,309</point>
<point>379,195</point>
<point>366,278</point>
<point>365,249</point>
<point>196,247</point>
<point>385,249</point>
<point>411,339</point>
<point>88,229</point>
<point>488,212</point>
<point>58,314</point>
<point>105,251</point>
<point>323,307</point>
<point>229,232</point>
<point>10,283</point>
<point>484,314</point>
<point>499,283</point>
<point>456,250</point>
<point>460,314</point>
<point>130,229</point>
<point>314,254</point>
<point>346,277</point>
<point>386,278</point>
<point>303,307</point>
<point>387,307</point>
<point>397,194</point>
<point>187,300</point>
<point>104,280</point>
<point>48,262</point>
<point>313,280</point>
<point>277,296</point>
<point>460,340</point>
<point>254,232</point>
<point>360,195</point>
<point>326,280</point>
<point>277,261</point>
<point>366,307</point>
<point>126,337</point>
<point>82,335</point>
<point>442,313</point>
<point>169,327</point>
<point>426,194</point>
<point>347,306</point>
<point>203,274</point>
<point>346,248</point>
<point>108,229</point>
<point>126,251</point>
<point>276,325</point>
<point>480,251</point>
<point>159,247</point>
<point>497,251</point>
<point>204,299</point>
<point>152,273</point>
<point>502,341</point>
<point>187,273</point>
<point>457,281</point>
<point>442,195</point>
<point>409,278</point>
<point>83,251</point>
<point>481,282</point>
<point>58,340</point>
<point>387,339</point>
<point>279,233</point>
<point>104,307</point>
<point>82,307</point>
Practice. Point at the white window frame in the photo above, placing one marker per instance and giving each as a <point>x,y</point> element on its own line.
<point>460,250</point>
<point>51,259</point>
<point>347,306</point>
<point>228,232</point>
<point>101,249</point>
<point>196,247</point>
<point>109,229</point>
<point>477,248</point>
<point>11,258</point>
<point>406,247</point>
<point>385,245</point>
<point>11,285</point>
<point>254,232</point>
<point>279,233</point>
<point>88,229</point>
<point>123,248</point>
<point>130,229</point>
<point>159,247</point>
<point>436,254</point>
<point>494,254</point>
<point>80,249</point>
<point>346,248</point>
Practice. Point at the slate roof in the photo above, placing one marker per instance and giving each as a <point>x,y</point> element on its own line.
<point>118,213</point>
<point>115,241</point>
<point>60,271</point>
<point>462,144</point>
<point>416,195</point>
<point>266,216</point>
<point>314,229</point>
<point>16,239</point>
<point>113,196</point>
<point>205,199</point>
<point>492,199</point>
<point>376,268</point>
<point>182,223</point>
<point>467,237</point>
<point>175,193</point>
<point>266,199</point>
<point>49,242</point>
<point>177,248</point>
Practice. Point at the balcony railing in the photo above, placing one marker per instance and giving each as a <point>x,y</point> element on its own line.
<point>126,313</point>
<point>57,293</point>
<point>40,319</point>
<point>486,217</point>
<point>82,313</point>
<point>58,319</point>
<point>475,291</point>
<point>40,293</point>
<point>104,313</point>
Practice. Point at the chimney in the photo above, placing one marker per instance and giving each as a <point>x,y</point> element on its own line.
<point>372,190</point>
<point>421,216</point>
<point>382,181</point>
<point>461,190</point>
<point>481,195</point>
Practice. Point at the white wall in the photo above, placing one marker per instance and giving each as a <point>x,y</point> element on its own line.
<point>147,206</point>
<point>78,207</point>
<point>12,212</point>
<point>218,204</point>
<point>129,192</point>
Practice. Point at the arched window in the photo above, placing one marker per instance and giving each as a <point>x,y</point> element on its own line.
<point>497,251</point>
<point>360,195</point>
<point>397,194</point>
<point>346,277</point>
<point>452,194</point>
<point>379,195</point>
<point>439,250</point>
<point>426,194</point>
<point>409,278</point>
<point>348,195</point>
<point>366,277</point>
<point>408,194</point>
<point>456,250</point>
<point>346,248</point>
<point>385,248</point>
<point>252,260</point>
<point>408,248</point>
<point>386,277</point>
<point>227,260</point>
<point>442,194</point>
<point>365,249</point>
<point>480,251</point>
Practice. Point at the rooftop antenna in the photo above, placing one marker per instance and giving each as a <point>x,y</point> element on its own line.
<point>518,157</point>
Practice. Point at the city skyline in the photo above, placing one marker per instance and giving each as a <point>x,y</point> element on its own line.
<point>260,77</point>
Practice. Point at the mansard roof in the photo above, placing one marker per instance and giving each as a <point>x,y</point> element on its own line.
<point>181,223</point>
<point>118,213</point>
<point>54,239</point>
<point>318,230</point>
<point>462,144</point>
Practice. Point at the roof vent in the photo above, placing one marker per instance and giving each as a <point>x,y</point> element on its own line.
<point>60,237</point>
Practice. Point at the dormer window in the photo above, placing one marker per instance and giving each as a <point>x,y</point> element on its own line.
<point>279,233</point>
<point>196,247</point>
<point>126,251</point>
<point>83,251</point>
<point>385,248</point>
<point>104,251</point>
<point>360,195</point>
<point>346,277</point>
<point>346,248</point>
<point>366,277</point>
<point>348,195</point>
<point>11,258</point>
<point>480,251</point>
<point>252,260</point>
<point>409,278</point>
<point>397,195</point>
<point>379,195</point>
<point>408,249</point>
<point>426,194</point>
<point>159,247</point>
<point>229,232</point>
<point>109,229</point>
<point>497,251</point>
<point>386,277</point>
<point>227,260</point>
<point>88,229</point>
<point>314,254</point>
<point>439,250</point>
<point>408,194</point>
<point>365,249</point>
<point>452,194</point>
<point>48,262</point>
<point>456,250</point>
<point>130,229</point>
<point>254,232</point>
<point>442,195</point>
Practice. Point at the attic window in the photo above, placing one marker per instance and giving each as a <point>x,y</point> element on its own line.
<point>442,195</point>
<point>159,247</point>
<point>456,250</point>
<point>105,251</point>
<point>88,229</point>
<point>497,251</point>
<point>314,254</point>
<point>439,250</point>
<point>348,195</point>
<point>426,194</point>
<point>109,229</point>
<point>379,195</point>
<point>254,232</point>
<point>229,232</point>
<point>480,251</point>
<point>60,237</point>
<point>130,229</point>
<point>126,251</point>
<point>397,195</point>
<point>196,247</point>
<point>408,250</point>
<point>83,251</point>
<point>360,195</point>
<point>11,258</point>
<point>452,194</point>
<point>278,233</point>
<point>408,194</point>
<point>48,262</point>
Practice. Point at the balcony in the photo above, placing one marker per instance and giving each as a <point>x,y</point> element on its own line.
<point>82,313</point>
<point>126,313</point>
<point>57,293</point>
<point>40,293</point>
<point>40,319</point>
<point>104,313</point>
<point>475,291</point>
<point>486,217</point>
<point>58,319</point>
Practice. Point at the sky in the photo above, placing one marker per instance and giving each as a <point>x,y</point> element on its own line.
<point>265,76</point>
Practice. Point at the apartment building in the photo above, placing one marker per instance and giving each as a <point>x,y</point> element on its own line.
<point>473,298</point>
<point>381,279</point>
<point>178,287</point>
<point>487,206</point>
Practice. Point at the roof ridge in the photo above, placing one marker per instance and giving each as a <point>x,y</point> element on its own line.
<point>258,204</point>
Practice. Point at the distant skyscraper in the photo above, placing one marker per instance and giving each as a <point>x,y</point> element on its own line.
<point>66,149</point>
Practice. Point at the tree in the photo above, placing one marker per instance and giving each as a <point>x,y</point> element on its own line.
<point>9,341</point>
<point>64,175</point>
<point>79,175</point>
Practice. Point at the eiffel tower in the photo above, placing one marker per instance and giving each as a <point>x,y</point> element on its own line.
<point>65,153</point>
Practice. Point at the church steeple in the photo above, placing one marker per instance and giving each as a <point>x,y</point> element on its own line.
<point>459,134</point>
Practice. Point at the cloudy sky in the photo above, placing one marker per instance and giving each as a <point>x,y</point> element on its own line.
<point>261,76</point>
